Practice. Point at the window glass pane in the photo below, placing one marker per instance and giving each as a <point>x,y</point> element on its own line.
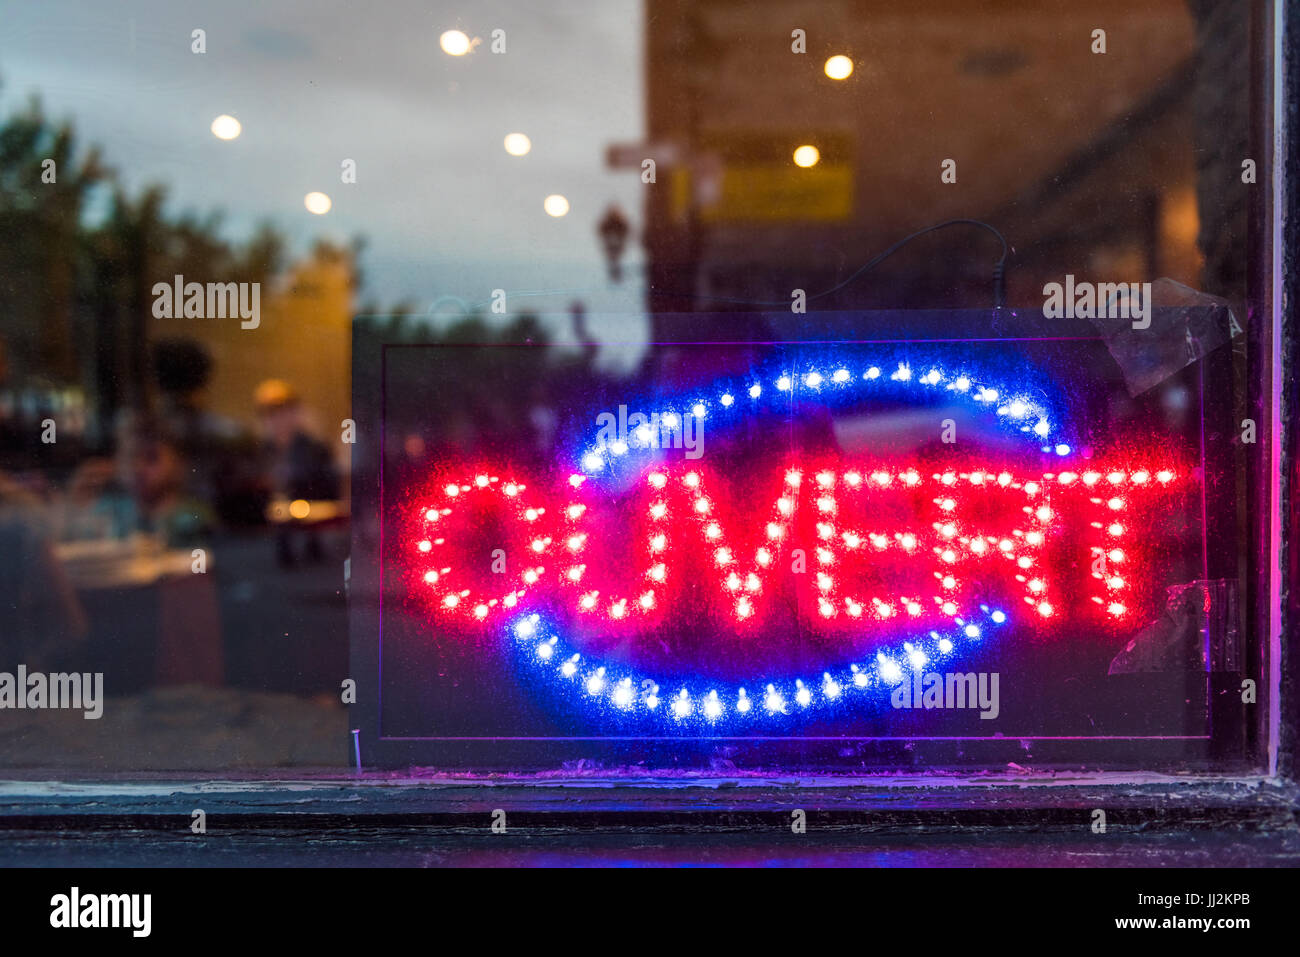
<point>515,384</point>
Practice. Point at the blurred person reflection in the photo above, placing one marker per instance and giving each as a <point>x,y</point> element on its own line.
<point>223,467</point>
<point>141,491</point>
<point>155,620</point>
<point>300,466</point>
<point>43,620</point>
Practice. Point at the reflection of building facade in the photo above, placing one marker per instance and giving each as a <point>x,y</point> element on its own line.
<point>304,338</point>
<point>82,385</point>
<point>1085,161</point>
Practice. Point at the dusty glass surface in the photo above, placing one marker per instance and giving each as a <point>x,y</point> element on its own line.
<point>273,276</point>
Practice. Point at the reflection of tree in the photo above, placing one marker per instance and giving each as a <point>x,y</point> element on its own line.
<point>41,226</point>
<point>135,247</point>
<point>80,258</point>
<point>496,386</point>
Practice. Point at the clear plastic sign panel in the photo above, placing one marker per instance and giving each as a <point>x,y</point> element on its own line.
<point>812,544</point>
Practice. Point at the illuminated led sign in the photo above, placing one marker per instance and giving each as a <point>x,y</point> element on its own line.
<point>902,564</point>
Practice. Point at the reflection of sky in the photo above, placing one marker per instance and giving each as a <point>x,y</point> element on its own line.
<point>446,211</point>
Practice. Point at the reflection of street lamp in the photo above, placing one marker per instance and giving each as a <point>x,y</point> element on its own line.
<point>807,156</point>
<point>838,67</point>
<point>317,203</point>
<point>454,43</point>
<point>517,144</point>
<point>226,127</point>
<point>613,230</point>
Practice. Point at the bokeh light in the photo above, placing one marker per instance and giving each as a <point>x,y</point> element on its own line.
<point>317,203</point>
<point>806,156</point>
<point>226,127</point>
<point>454,43</point>
<point>839,67</point>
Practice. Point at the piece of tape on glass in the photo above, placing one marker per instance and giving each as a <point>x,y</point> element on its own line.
<point>1197,632</point>
<point>1153,336</point>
